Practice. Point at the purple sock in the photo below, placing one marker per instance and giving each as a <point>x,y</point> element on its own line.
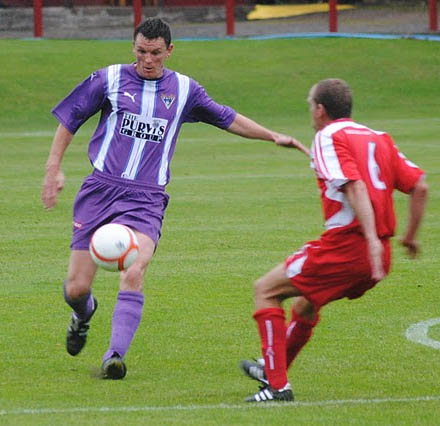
<point>83,307</point>
<point>126,318</point>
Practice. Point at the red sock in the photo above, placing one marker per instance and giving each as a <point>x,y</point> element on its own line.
<point>272,328</point>
<point>299,332</point>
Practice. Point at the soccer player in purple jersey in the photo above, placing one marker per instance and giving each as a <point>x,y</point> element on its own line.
<point>142,107</point>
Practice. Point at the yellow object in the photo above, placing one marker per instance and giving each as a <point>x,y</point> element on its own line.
<point>284,11</point>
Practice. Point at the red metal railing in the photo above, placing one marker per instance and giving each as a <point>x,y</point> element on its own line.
<point>230,19</point>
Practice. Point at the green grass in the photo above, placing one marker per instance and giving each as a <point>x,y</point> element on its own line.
<point>238,207</point>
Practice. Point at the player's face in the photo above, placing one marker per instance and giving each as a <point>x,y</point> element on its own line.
<point>150,56</point>
<point>315,111</point>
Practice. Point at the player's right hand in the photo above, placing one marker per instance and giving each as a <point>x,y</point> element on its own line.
<point>289,142</point>
<point>52,185</point>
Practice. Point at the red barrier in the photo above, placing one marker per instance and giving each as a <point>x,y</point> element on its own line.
<point>433,16</point>
<point>230,17</point>
<point>38,18</point>
<point>137,12</point>
<point>332,16</point>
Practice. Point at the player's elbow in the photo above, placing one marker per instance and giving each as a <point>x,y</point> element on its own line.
<point>421,189</point>
<point>355,189</point>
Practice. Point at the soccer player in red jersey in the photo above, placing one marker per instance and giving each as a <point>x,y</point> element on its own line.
<point>357,169</point>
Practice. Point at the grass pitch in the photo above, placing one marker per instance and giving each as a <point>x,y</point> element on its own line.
<point>237,208</point>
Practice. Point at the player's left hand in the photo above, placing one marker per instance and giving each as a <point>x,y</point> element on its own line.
<point>289,142</point>
<point>412,247</point>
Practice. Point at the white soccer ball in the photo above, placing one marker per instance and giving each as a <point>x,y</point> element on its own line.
<point>114,247</point>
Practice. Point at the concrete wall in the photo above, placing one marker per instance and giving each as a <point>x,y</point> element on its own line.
<point>21,19</point>
<point>117,23</point>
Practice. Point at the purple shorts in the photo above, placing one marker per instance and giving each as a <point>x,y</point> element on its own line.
<point>107,199</point>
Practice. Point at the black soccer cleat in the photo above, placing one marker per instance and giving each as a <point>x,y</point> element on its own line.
<point>113,368</point>
<point>267,394</point>
<point>77,332</point>
<point>254,370</point>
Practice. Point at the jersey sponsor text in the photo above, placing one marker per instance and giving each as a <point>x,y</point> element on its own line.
<point>145,128</point>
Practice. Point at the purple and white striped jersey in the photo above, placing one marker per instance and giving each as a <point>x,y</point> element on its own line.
<point>140,119</point>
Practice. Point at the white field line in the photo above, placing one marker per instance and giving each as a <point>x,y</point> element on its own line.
<point>418,333</point>
<point>337,402</point>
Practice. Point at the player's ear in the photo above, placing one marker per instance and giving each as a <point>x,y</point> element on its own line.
<point>170,49</point>
<point>320,109</point>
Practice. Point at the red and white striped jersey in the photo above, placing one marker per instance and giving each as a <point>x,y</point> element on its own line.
<point>344,151</point>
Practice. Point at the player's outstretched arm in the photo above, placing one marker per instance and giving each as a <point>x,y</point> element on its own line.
<point>357,196</point>
<point>417,203</point>
<point>247,128</point>
<point>54,178</point>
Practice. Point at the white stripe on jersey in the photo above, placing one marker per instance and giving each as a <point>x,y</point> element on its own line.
<point>327,162</point>
<point>149,98</point>
<point>183,92</point>
<point>409,163</point>
<point>345,215</point>
<point>295,267</point>
<point>113,75</point>
<point>134,160</point>
<point>148,102</point>
<point>319,163</point>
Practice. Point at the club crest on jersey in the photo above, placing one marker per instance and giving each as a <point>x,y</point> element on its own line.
<point>168,100</point>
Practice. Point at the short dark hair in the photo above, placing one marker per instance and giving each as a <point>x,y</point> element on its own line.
<point>153,28</point>
<point>335,95</point>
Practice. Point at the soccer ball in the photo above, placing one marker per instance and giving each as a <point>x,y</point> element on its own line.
<point>114,247</point>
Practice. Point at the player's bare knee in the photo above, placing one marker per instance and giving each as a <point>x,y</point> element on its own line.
<point>260,290</point>
<point>132,279</point>
<point>76,288</point>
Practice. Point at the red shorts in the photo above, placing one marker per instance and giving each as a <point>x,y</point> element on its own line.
<point>333,267</point>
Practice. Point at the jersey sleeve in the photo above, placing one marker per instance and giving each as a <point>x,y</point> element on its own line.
<point>407,173</point>
<point>84,101</point>
<point>201,107</point>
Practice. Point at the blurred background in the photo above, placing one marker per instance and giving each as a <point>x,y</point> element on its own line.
<point>115,19</point>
